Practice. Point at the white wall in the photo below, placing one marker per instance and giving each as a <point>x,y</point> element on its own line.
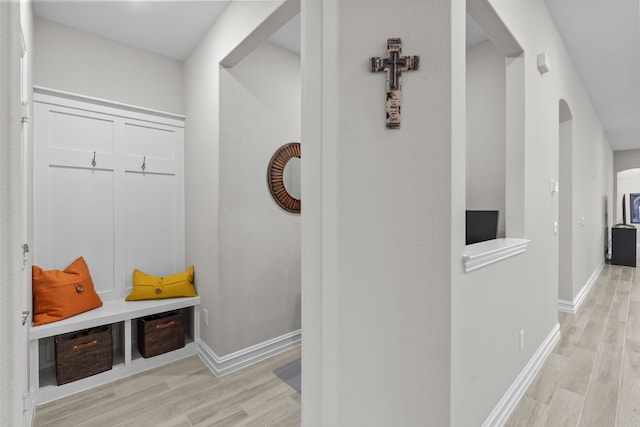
<point>377,240</point>
<point>12,361</point>
<point>27,23</point>
<point>206,191</point>
<point>74,61</point>
<point>491,305</point>
<point>259,242</point>
<point>486,130</point>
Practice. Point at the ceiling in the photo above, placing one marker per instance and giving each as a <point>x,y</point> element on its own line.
<point>170,28</point>
<point>603,39</point>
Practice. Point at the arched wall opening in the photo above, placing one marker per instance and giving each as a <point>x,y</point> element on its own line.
<point>628,184</point>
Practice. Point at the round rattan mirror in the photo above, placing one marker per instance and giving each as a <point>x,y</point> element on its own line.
<point>275,177</point>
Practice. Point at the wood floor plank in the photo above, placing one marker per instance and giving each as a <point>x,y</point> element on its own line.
<point>155,404</point>
<point>601,400</point>
<point>262,401</point>
<point>564,409</point>
<point>168,406</point>
<point>578,372</point>
<point>545,383</point>
<point>619,310</point>
<point>572,327</point>
<point>218,417</point>
<point>635,291</point>
<point>268,416</point>
<point>632,348</point>
<point>528,413</point>
<point>614,332</point>
<point>634,308</point>
<point>594,329</point>
<point>629,402</point>
<point>76,415</point>
<point>627,274</point>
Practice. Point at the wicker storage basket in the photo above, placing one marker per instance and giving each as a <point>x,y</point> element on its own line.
<point>160,333</point>
<point>83,353</point>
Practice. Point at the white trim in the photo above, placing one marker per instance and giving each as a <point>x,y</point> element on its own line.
<point>507,404</point>
<point>573,306</point>
<point>23,44</point>
<point>223,365</point>
<point>48,96</point>
<point>566,306</point>
<point>29,409</point>
<point>481,254</point>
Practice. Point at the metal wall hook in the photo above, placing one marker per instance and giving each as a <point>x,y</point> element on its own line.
<point>144,163</point>
<point>93,161</point>
<point>25,316</point>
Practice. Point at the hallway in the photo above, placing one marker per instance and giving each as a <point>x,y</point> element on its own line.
<point>592,378</point>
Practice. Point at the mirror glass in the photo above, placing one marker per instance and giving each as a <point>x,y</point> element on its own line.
<point>291,177</point>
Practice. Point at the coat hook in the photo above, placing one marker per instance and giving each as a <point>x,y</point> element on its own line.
<point>93,161</point>
<point>144,163</point>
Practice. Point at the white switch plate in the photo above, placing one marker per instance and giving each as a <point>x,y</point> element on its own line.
<point>206,317</point>
<point>555,228</point>
<point>521,339</point>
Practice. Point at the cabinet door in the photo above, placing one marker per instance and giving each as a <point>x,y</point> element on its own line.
<point>74,191</point>
<point>154,199</point>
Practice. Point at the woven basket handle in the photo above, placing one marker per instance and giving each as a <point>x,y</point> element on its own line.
<point>166,325</point>
<point>86,345</point>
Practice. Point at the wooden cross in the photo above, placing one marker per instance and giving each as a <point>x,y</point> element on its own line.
<point>394,64</point>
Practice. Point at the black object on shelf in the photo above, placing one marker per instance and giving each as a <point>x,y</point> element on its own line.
<point>481,226</point>
<point>623,245</point>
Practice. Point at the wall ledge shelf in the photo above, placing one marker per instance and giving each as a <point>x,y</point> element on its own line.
<point>481,254</point>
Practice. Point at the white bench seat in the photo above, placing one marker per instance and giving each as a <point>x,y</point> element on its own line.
<point>111,312</point>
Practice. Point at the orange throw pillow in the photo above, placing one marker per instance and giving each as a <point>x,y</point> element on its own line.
<point>61,294</point>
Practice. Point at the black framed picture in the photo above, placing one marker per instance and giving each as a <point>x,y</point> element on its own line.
<point>634,207</point>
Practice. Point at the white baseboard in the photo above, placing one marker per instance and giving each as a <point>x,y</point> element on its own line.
<point>507,404</point>
<point>573,306</point>
<point>223,365</point>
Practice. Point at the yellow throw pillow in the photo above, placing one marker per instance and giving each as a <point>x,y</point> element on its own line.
<point>146,286</point>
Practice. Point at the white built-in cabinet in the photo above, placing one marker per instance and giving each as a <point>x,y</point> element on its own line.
<point>108,186</point>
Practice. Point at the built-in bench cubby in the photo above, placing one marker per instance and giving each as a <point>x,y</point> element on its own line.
<point>127,360</point>
<point>108,186</point>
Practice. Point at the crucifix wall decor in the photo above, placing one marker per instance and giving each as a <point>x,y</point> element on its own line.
<point>394,64</point>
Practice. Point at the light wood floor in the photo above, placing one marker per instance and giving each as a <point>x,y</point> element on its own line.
<point>183,393</point>
<point>592,378</point>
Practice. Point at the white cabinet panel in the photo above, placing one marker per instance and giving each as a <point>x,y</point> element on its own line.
<point>84,132</point>
<point>81,222</point>
<point>151,141</point>
<point>154,242</point>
